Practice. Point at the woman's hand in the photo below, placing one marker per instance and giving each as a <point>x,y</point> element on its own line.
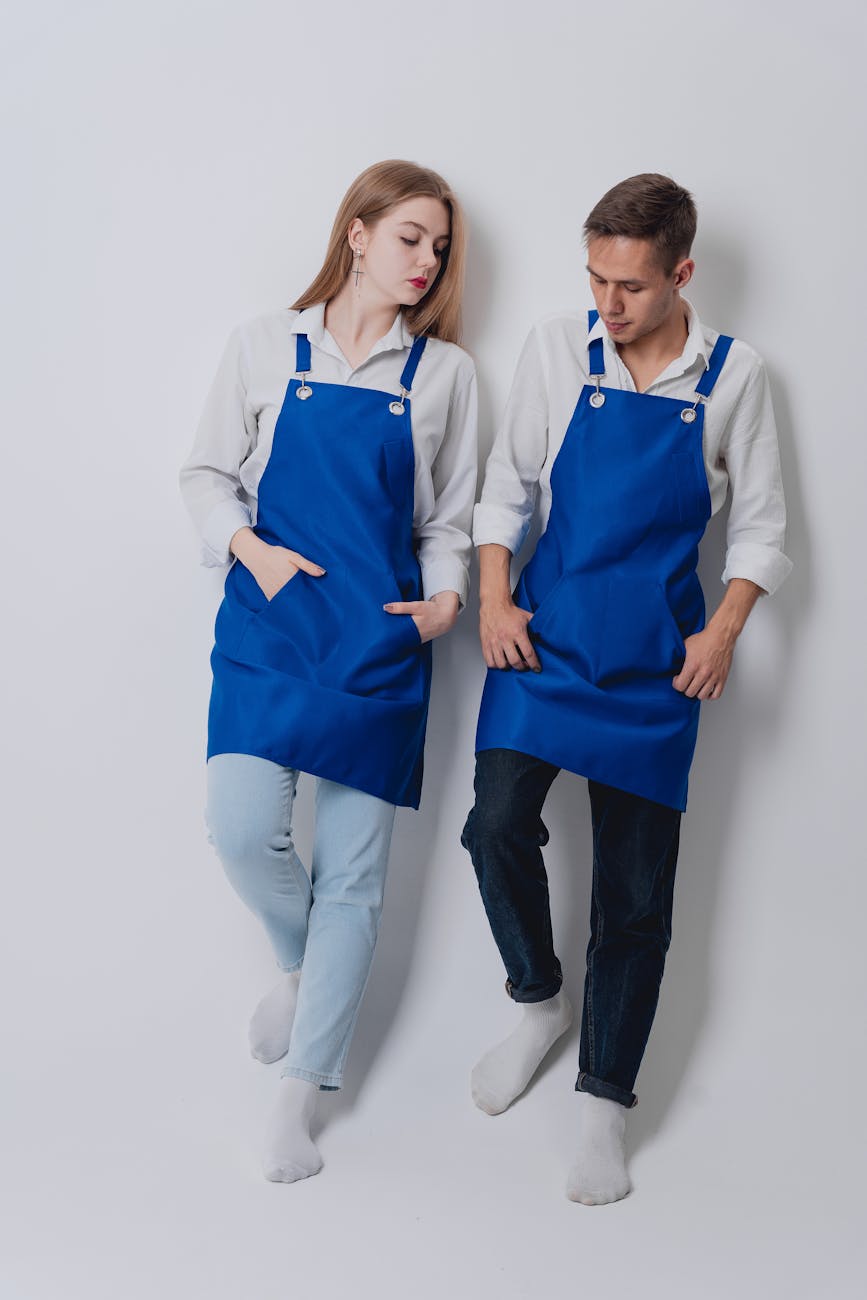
<point>432,617</point>
<point>271,566</point>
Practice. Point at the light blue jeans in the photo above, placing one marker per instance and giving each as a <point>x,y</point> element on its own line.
<point>325,922</point>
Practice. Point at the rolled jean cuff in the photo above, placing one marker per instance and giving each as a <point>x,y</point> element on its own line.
<point>290,968</point>
<point>537,995</point>
<point>324,1082</point>
<point>610,1091</point>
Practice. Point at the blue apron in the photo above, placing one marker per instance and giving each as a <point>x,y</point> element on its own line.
<point>613,590</point>
<point>321,678</point>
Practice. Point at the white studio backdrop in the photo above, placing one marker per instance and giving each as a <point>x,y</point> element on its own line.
<point>169,170</point>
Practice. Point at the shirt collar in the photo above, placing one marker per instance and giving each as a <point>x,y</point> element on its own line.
<point>696,345</point>
<point>311,321</point>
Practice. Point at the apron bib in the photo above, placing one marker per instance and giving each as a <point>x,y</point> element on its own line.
<point>320,678</point>
<point>613,590</point>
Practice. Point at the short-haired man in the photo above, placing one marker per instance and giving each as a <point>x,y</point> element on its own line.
<point>628,427</point>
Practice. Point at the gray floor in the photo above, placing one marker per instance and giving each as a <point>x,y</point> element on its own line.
<point>134,1117</point>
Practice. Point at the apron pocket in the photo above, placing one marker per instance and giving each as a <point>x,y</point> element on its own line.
<point>299,628</point>
<point>693,494</point>
<point>378,652</point>
<point>399,461</point>
<point>242,598</point>
<point>229,628</point>
<point>640,637</point>
<point>566,623</point>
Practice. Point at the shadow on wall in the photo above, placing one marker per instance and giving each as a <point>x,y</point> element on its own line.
<point>479,292</point>
<point>746,719</point>
<point>415,834</point>
<point>414,842</point>
<point>718,290</point>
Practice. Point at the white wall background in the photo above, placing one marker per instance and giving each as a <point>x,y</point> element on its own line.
<point>169,169</point>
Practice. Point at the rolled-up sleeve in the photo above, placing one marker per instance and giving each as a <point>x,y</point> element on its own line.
<point>443,539</point>
<point>513,468</point>
<point>210,476</point>
<point>757,516</point>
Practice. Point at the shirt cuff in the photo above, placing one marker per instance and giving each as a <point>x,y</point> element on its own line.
<point>445,574</point>
<point>220,527</point>
<point>495,524</point>
<point>764,565</point>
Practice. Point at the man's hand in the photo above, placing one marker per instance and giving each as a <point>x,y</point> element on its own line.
<point>709,653</point>
<point>271,566</point>
<point>504,637</point>
<point>432,617</point>
<point>706,667</point>
<point>502,623</point>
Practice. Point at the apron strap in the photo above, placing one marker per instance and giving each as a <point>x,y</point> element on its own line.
<point>714,365</point>
<point>594,349</point>
<point>705,385</point>
<point>412,364</point>
<point>302,354</point>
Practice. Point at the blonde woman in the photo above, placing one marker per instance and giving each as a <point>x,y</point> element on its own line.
<point>334,468</point>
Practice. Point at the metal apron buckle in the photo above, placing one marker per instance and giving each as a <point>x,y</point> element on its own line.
<point>689,414</point>
<point>397,407</point>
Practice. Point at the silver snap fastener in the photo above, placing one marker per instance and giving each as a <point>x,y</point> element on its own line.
<point>597,400</point>
<point>688,416</point>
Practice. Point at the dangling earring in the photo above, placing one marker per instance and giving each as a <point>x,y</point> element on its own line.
<point>357,254</point>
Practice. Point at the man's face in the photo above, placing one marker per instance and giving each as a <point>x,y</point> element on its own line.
<point>634,295</point>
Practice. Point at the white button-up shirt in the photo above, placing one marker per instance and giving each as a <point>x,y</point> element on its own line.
<point>220,478</point>
<point>740,438</point>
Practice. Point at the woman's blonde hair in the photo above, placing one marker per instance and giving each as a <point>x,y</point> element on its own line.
<point>369,197</point>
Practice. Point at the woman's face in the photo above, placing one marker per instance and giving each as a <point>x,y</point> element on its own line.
<point>403,252</point>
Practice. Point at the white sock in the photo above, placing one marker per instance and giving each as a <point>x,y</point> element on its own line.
<point>271,1025</point>
<point>290,1152</point>
<point>599,1175</point>
<point>504,1072</point>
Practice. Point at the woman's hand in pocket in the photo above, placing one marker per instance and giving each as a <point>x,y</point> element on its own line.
<point>271,566</point>
<point>432,617</point>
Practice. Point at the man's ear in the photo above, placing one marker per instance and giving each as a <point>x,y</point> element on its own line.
<point>683,273</point>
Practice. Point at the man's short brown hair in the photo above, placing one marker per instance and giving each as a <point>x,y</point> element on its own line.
<point>651,207</point>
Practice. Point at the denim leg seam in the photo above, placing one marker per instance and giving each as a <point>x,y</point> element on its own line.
<point>295,864</point>
<point>344,1049</point>
<point>659,884</point>
<point>588,998</point>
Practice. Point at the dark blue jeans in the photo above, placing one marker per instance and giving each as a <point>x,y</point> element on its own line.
<point>635,844</point>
